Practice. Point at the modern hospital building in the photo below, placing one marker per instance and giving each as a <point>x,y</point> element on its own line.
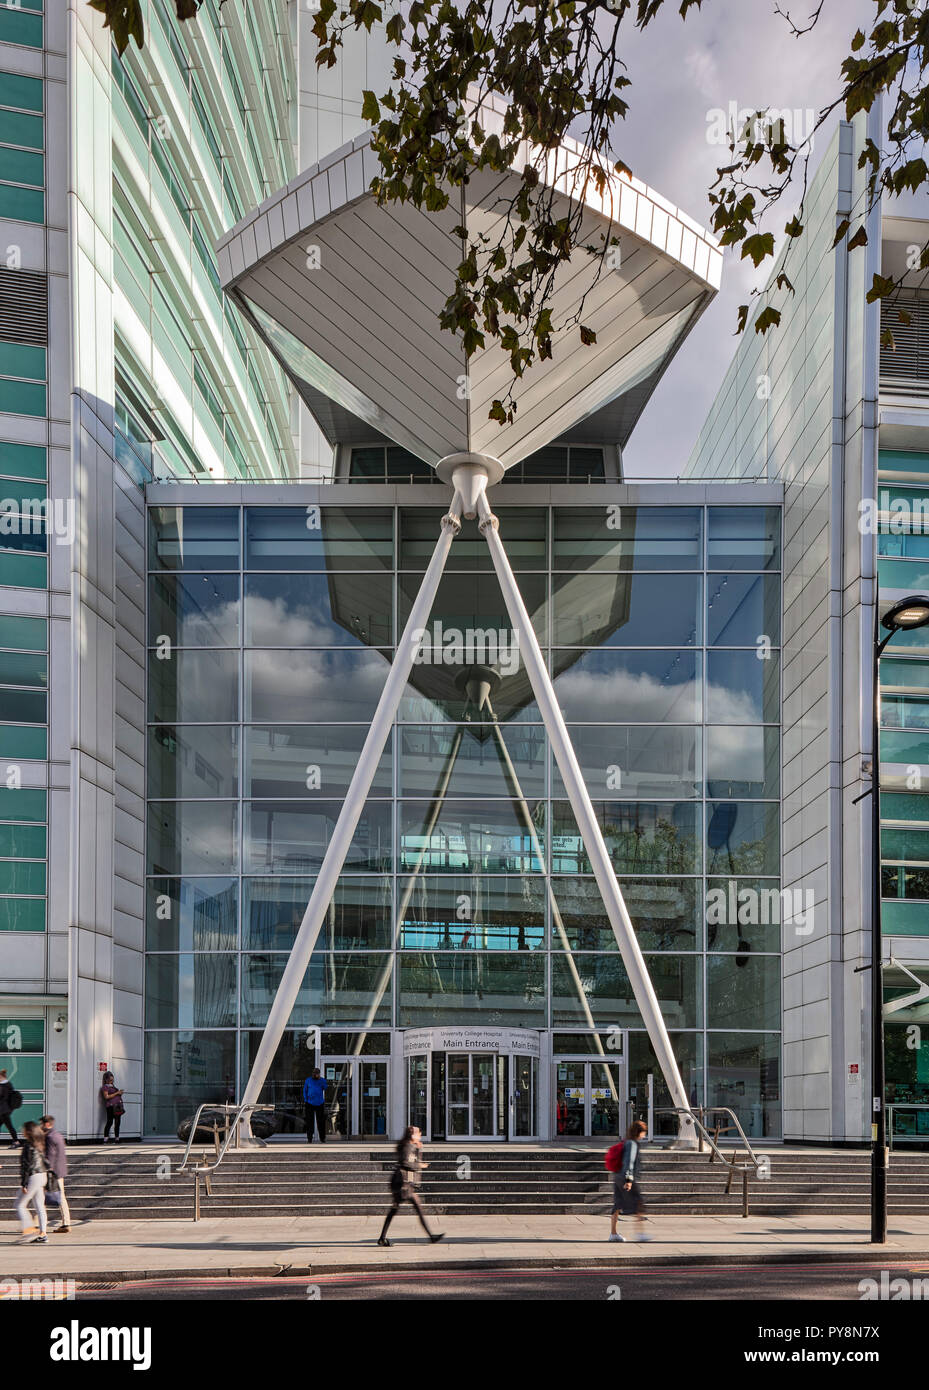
<point>224,390</point>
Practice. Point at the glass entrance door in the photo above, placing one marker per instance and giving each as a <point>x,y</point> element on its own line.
<point>372,1098</point>
<point>590,1098</point>
<point>475,1095</point>
<point>356,1097</point>
<point>524,1089</point>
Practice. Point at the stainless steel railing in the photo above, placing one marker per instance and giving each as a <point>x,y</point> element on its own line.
<point>752,1165</point>
<point>203,1170</point>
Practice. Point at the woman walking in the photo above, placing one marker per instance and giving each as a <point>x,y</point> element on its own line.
<point>405,1179</point>
<point>115,1110</point>
<point>33,1176</point>
<point>627,1195</point>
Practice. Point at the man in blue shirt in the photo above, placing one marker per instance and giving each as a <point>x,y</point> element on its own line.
<point>314,1101</point>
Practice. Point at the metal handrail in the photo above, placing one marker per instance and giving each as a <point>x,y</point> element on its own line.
<point>753,1163</point>
<point>238,1113</point>
<point>746,1169</point>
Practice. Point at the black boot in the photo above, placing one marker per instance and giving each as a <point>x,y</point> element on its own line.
<point>382,1238</point>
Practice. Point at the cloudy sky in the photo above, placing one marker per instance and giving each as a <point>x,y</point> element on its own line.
<point>731,51</point>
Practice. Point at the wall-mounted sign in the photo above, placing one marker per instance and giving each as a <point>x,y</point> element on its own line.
<point>61,1066</point>
<point>524,1040</point>
<point>101,1066</point>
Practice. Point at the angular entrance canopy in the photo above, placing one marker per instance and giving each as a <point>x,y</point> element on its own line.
<point>347,293</point>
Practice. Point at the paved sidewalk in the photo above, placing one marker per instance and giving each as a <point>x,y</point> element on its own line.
<point>113,1250</point>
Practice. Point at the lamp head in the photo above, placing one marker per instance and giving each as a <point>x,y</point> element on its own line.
<point>907,613</point>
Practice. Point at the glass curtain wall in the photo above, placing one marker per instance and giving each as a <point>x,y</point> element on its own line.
<point>467,885</point>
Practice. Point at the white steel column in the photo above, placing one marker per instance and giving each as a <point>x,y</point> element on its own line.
<point>583,810</point>
<point>345,826</point>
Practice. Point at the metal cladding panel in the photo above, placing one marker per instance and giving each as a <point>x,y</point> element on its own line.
<point>360,289</point>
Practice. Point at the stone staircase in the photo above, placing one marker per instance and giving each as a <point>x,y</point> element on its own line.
<point>288,1180</point>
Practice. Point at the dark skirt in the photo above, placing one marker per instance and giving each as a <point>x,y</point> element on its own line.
<point>629,1203</point>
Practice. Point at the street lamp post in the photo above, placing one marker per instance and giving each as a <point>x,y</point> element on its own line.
<point>903,616</point>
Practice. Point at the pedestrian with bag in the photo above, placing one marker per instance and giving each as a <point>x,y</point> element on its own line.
<point>314,1105</point>
<point>10,1100</point>
<point>623,1160</point>
<point>404,1181</point>
<point>57,1159</point>
<point>115,1110</point>
<point>33,1175</point>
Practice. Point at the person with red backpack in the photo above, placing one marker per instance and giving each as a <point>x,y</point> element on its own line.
<point>623,1161</point>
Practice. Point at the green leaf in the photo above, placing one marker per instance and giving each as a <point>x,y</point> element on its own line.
<point>370,111</point>
<point>859,239</point>
<point>881,286</point>
<point>124,18</point>
<point>768,318</point>
<point>840,231</point>
<point>758,246</point>
<point>743,318</point>
<point>588,336</point>
<point>858,41</point>
<point>794,227</point>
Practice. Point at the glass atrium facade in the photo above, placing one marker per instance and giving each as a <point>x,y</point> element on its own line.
<point>466,899</point>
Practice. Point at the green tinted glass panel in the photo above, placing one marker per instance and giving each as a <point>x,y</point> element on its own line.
<point>24,571</point>
<point>902,918</point>
<point>22,204</point>
<point>30,499</point>
<point>17,741</point>
<point>25,1073</point>
<point>22,398</point>
<point>22,877</point>
<point>912,675</point>
<point>22,914</point>
<point>23,841</point>
<point>23,461</point>
<point>24,92</point>
<point>16,27</point>
<point>905,746</point>
<point>902,461</point>
<point>900,806</point>
<point>22,1035</point>
<point>21,166</point>
<point>19,359</point>
<point>27,634</point>
<point>24,668</point>
<point>20,129</point>
<point>26,804</point>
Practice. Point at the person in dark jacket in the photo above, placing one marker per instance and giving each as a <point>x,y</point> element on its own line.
<point>627,1195</point>
<point>57,1159</point>
<point>314,1105</point>
<point>115,1110</point>
<point>405,1179</point>
<point>6,1110</point>
<point>33,1175</point>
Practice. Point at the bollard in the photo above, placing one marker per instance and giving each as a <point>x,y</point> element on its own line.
<point>196,1194</point>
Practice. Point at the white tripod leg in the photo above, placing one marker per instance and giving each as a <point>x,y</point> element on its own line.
<point>360,785</point>
<point>579,798</point>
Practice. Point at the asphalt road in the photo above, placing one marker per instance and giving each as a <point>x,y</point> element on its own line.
<point>830,1282</point>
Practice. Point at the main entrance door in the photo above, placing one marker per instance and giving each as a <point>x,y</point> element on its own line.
<point>476,1095</point>
<point>590,1098</point>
